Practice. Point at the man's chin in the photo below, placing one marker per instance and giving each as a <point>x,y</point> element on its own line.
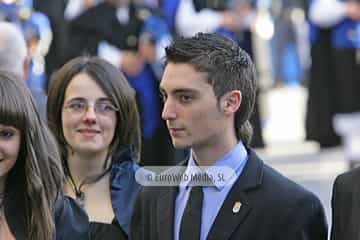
<point>180,145</point>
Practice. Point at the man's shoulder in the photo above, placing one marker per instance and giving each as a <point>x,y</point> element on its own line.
<point>293,206</point>
<point>270,177</point>
<point>283,198</point>
<point>280,188</point>
<point>282,185</point>
<point>345,182</point>
<point>348,177</point>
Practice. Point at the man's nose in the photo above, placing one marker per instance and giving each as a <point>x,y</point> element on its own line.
<point>168,112</point>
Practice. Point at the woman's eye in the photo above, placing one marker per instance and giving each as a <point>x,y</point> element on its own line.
<point>76,105</point>
<point>6,133</point>
<point>105,107</point>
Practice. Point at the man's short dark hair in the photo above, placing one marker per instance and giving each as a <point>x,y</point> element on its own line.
<point>228,67</point>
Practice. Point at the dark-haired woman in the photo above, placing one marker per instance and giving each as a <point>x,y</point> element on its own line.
<point>31,178</point>
<point>93,115</point>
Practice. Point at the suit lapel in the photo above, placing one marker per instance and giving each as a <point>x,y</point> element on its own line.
<point>165,213</point>
<point>166,209</point>
<point>227,220</point>
<point>229,217</point>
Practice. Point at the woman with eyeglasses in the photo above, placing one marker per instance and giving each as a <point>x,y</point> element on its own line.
<point>32,205</point>
<point>92,112</point>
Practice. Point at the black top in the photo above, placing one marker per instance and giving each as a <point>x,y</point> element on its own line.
<point>102,231</point>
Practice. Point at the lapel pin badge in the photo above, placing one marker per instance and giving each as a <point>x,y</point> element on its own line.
<point>236,208</point>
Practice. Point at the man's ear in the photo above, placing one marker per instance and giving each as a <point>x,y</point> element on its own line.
<point>230,102</point>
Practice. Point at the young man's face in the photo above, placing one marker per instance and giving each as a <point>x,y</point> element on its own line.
<point>190,108</point>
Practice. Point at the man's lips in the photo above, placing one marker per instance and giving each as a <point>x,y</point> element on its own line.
<point>175,130</point>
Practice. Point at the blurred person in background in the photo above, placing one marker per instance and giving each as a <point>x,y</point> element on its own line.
<point>14,57</point>
<point>193,16</point>
<point>132,37</point>
<point>54,10</point>
<point>13,50</point>
<point>335,71</point>
<point>289,70</point>
<point>92,112</point>
<point>32,205</point>
<point>76,7</point>
<point>37,32</point>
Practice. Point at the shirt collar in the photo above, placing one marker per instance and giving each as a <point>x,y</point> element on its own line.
<point>232,161</point>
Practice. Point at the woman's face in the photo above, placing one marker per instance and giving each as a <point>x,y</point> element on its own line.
<point>88,117</point>
<point>10,138</point>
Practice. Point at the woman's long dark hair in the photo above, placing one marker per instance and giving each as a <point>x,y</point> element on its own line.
<point>35,181</point>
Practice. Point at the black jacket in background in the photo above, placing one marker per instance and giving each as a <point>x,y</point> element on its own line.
<point>346,206</point>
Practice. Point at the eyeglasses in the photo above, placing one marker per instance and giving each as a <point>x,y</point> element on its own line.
<point>101,108</point>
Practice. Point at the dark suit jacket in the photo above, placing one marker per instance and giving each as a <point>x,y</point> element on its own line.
<point>273,207</point>
<point>346,206</point>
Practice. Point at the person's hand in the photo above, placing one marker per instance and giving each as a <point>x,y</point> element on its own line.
<point>353,10</point>
<point>131,62</point>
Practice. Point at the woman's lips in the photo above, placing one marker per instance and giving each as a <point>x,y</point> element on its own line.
<point>88,132</point>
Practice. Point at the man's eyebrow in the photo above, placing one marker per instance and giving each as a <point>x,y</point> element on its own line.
<point>179,90</point>
<point>185,90</point>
